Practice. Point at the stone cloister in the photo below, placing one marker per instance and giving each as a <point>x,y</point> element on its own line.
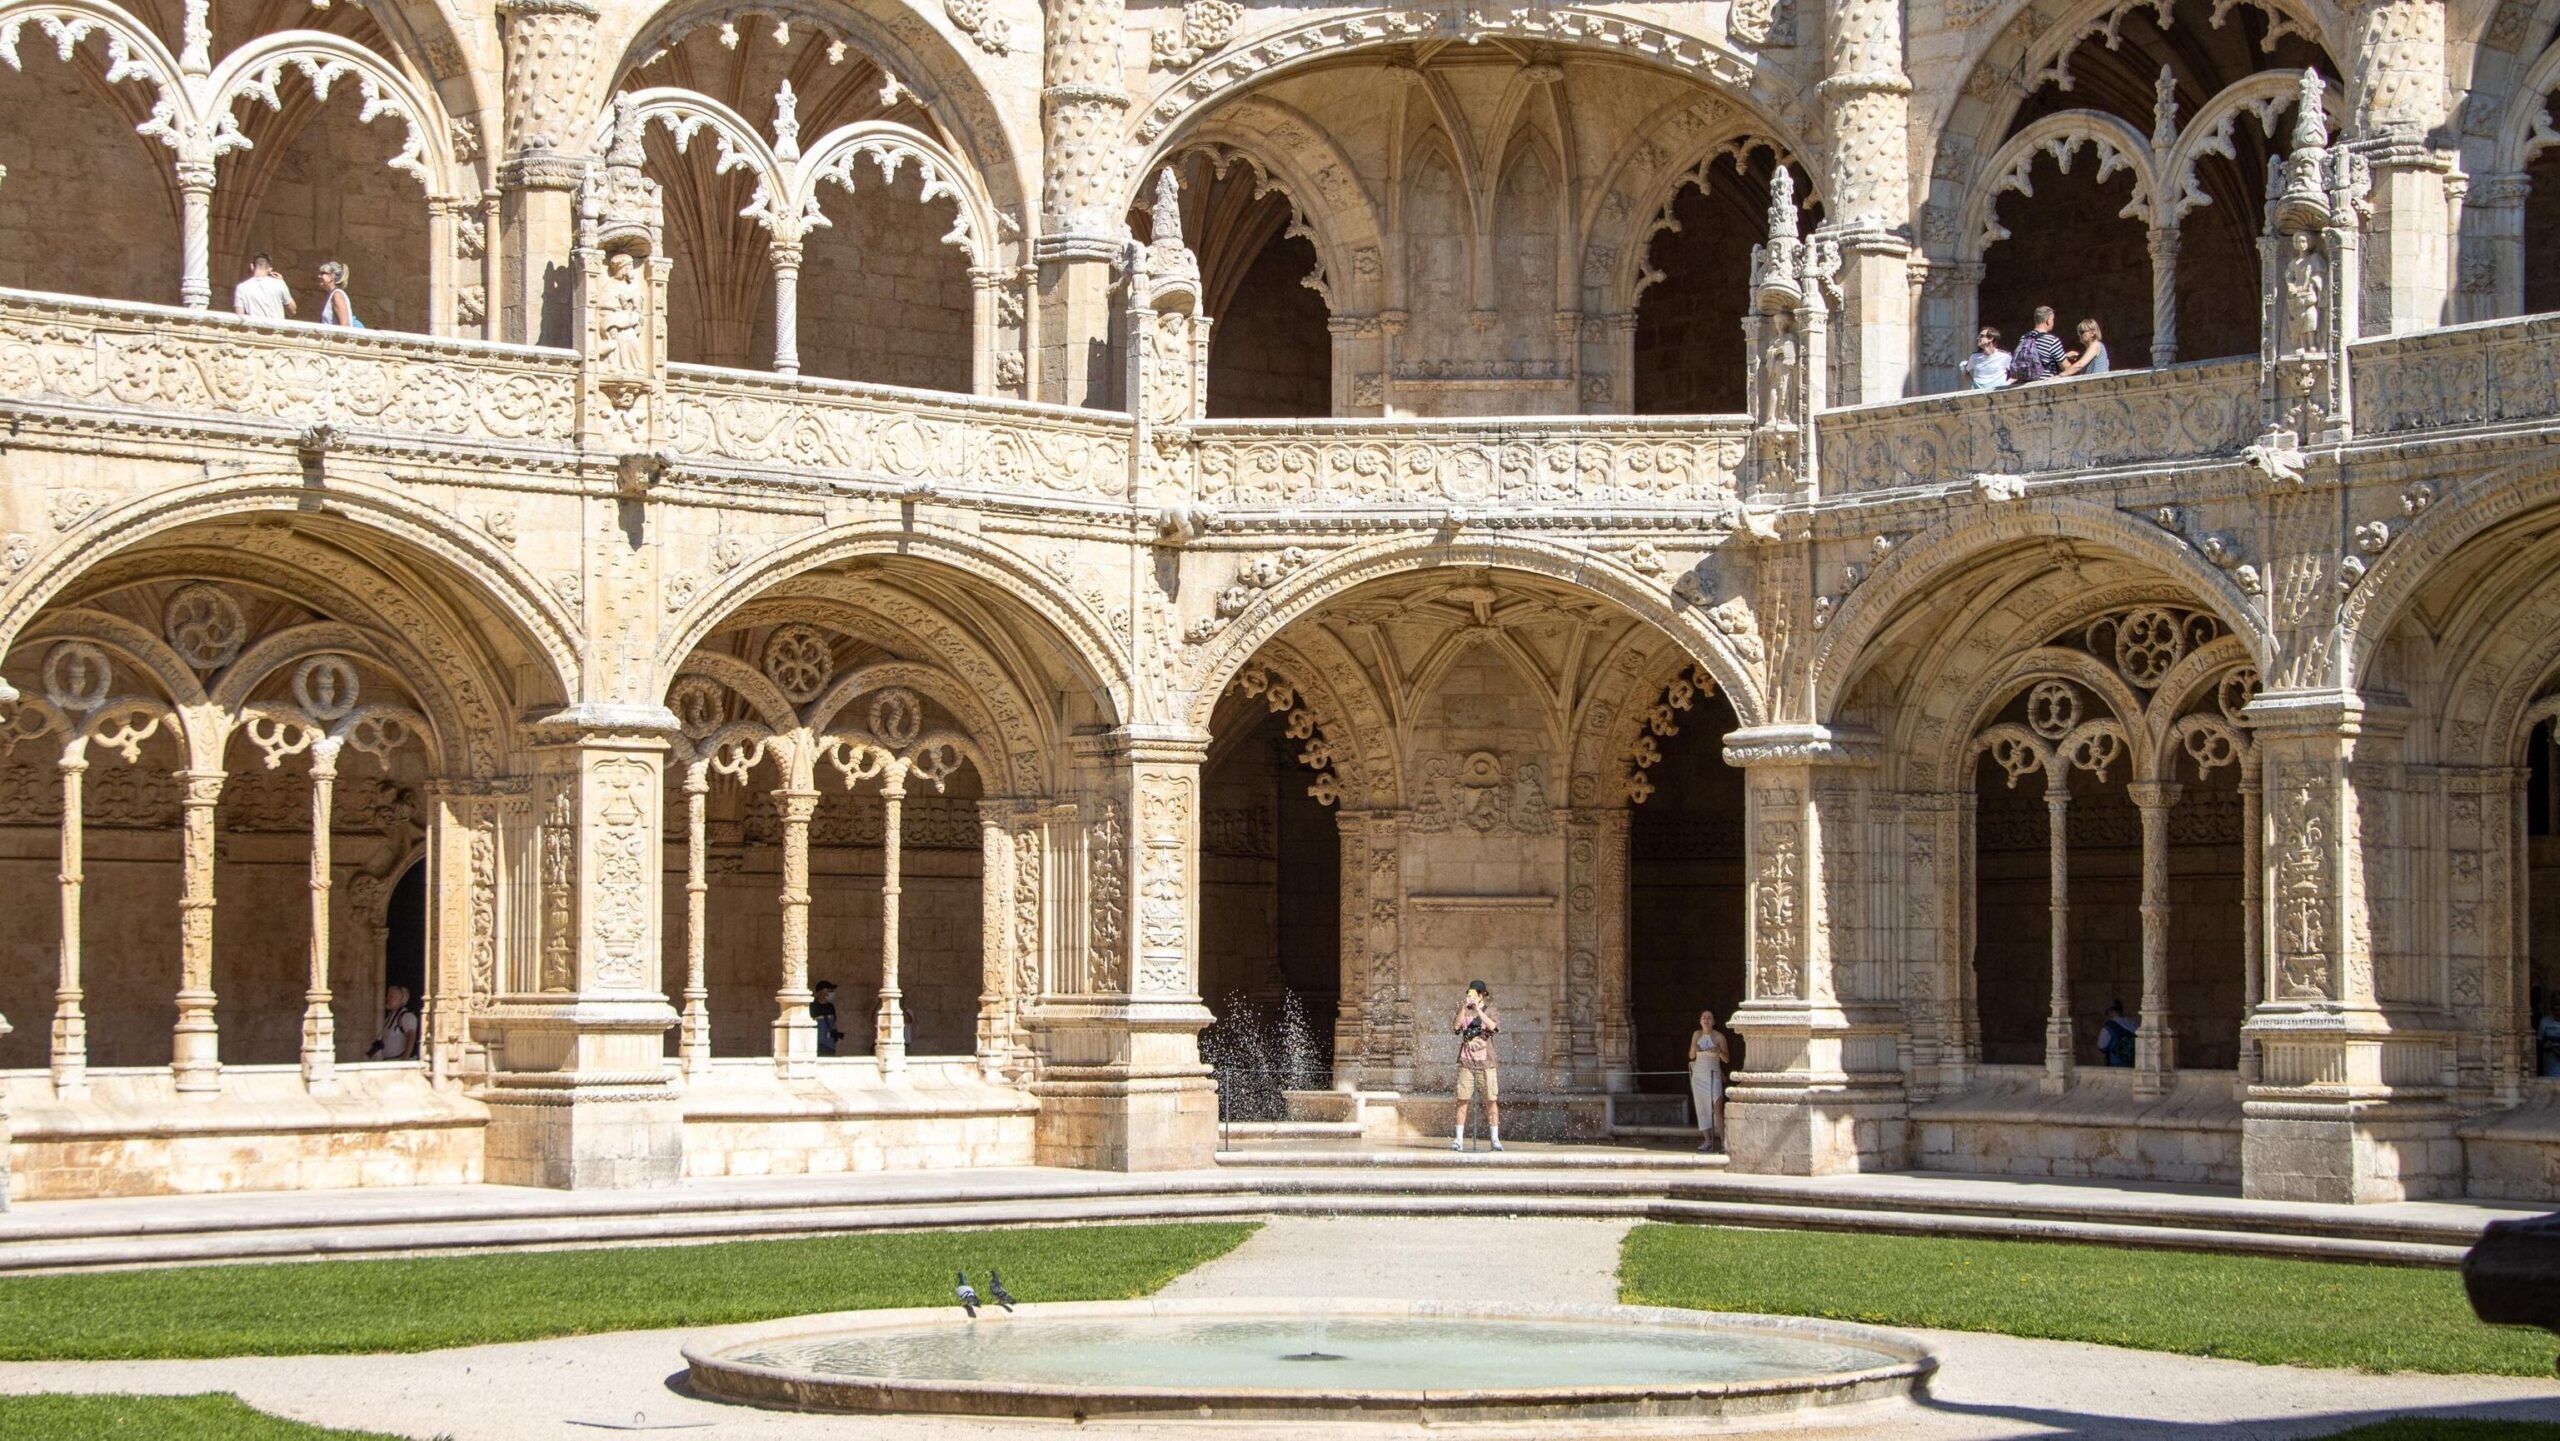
<point>1063,520</point>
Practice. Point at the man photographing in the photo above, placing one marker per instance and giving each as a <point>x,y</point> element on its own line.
<point>1475,1027</point>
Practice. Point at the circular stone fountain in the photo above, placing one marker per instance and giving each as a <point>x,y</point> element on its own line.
<point>1280,1360</point>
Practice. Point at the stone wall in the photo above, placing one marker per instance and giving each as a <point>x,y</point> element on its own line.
<point>91,207</point>
<point>882,298</point>
<point>1270,355</point>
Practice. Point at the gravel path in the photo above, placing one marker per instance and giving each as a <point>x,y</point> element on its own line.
<point>1988,1387</point>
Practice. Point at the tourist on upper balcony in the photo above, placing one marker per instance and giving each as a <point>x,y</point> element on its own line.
<point>1988,366</point>
<point>2547,1037</point>
<point>336,306</point>
<point>2091,357</point>
<point>264,295</point>
<point>2040,354</point>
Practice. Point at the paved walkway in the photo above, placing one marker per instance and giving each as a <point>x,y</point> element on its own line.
<point>1988,1386</point>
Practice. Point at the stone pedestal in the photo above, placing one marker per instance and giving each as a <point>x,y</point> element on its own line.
<point>1823,1093</point>
<point>1122,1087</point>
<point>579,1093</point>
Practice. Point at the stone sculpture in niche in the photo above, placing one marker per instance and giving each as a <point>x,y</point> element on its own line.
<point>2304,290</point>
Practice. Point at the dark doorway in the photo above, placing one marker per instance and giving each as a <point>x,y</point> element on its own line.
<point>404,935</point>
<point>1685,893</point>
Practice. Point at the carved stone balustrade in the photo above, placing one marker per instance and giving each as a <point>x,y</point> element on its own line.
<point>1587,462</point>
<point>796,424</point>
<point>123,361</point>
<point>2130,417</point>
<point>2483,374</point>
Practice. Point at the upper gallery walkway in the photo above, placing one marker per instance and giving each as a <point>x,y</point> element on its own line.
<point>1278,1179</point>
<point>92,369</point>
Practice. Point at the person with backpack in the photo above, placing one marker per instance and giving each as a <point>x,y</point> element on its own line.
<point>337,307</point>
<point>2115,1038</point>
<point>2039,355</point>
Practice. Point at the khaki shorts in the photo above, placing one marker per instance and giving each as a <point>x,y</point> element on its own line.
<point>1468,1076</point>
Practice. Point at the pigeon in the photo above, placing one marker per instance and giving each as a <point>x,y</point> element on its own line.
<point>968,1295</point>
<point>996,1290</point>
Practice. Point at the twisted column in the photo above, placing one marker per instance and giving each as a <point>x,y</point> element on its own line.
<point>890,1043</point>
<point>319,1027</point>
<point>195,1045</point>
<point>795,1034</point>
<point>195,231</point>
<point>1866,193</point>
<point>70,1023</point>
<point>2155,1053</point>
<point>2164,295</point>
<point>786,306</point>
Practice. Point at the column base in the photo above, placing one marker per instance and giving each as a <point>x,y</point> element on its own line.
<point>1125,1090</point>
<point>2347,1151</point>
<point>580,1097</point>
<point>1825,1097</point>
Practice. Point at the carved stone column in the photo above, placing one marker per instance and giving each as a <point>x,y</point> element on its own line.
<point>889,1042</point>
<point>70,1022</point>
<point>583,1096</point>
<point>1373,1025</point>
<point>319,1026</point>
<point>694,1035</point>
<point>2059,1053</point>
<point>551,63</point>
<point>2352,1101</point>
<point>2164,295</point>
<point>2253,929</point>
<point>1617,1047</point>
<point>2397,93</point>
<point>1121,1086</point>
<point>2155,1051</point>
<point>1866,109</point>
<point>996,938</point>
<point>1084,100</point>
<point>195,1048</point>
<point>195,233</point>
<point>795,1033</point>
<point>786,306</point>
<point>2489,268</point>
<point>4,1131</point>
<point>1824,1092</point>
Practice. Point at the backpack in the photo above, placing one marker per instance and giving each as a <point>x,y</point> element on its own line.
<point>2115,1043</point>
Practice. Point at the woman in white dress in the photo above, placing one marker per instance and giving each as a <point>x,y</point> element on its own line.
<point>1710,1051</point>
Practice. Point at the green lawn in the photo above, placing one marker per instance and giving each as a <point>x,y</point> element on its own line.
<point>2300,1313</point>
<point>436,1302</point>
<point>154,1418</point>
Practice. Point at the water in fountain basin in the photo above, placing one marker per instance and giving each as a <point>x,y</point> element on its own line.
<point>1407,1354</point>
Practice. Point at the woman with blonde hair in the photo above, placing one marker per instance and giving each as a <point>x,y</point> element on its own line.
<point>336,306</point>
<point>2091,357</point>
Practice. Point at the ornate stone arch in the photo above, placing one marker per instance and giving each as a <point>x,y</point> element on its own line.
<point>1367,765</point>
<point>2046,662</point>
<point>2524,126</point>
<point>254,71</point>
<point>952,84</point>
<point>2439,529</point>
<point>2112,145</point>
<point>1079,634</point>
<point>1632,275</point>
<point>1251,62</point>
<point>498,580</point>
<point>1920,561</point>
<point>1301,159</point>
<point>2034,36</point>
<point>1309,589</point>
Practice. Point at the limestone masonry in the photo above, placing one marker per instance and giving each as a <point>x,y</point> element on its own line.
<point>1081,522</point>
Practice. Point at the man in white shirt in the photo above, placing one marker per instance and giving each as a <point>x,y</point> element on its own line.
<point>264,295</point>
<point>1988,367</point>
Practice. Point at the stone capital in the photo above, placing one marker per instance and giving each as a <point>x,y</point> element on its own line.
<point>1802,745</point>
